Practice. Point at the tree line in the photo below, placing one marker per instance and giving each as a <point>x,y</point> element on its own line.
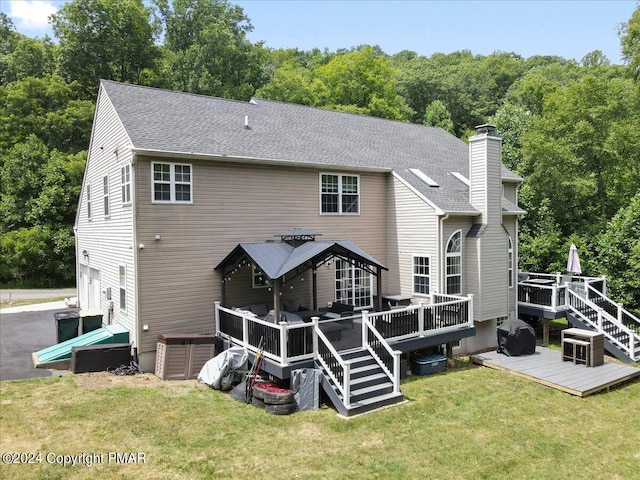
<point>571,129</point>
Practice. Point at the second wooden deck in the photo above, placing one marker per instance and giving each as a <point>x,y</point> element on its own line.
<point>547,368</point>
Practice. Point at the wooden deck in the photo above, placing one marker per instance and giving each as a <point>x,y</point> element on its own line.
<point>546,367</point>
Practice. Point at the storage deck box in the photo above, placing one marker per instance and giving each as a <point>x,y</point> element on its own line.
<point>428,364</point>
<point>182,356</point>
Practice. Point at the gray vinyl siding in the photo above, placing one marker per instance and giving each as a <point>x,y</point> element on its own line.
<point>412,230</point>
<point>108,241</point>
<point>510,191</point>
<point>234,203</point>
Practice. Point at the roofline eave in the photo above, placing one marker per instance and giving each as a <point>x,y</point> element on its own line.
<point>252,160</point>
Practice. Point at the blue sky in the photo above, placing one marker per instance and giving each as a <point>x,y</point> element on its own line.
<point>568,29</point>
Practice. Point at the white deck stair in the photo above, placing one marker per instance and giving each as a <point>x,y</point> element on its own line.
<point>371,388</point>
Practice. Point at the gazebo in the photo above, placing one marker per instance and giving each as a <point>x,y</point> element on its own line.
<point>296,252</point>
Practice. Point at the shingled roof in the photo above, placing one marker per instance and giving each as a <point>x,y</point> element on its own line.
<point>263,130</point>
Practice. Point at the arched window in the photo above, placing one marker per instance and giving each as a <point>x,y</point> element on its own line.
<point>510,264</point>
<point>454,264</point>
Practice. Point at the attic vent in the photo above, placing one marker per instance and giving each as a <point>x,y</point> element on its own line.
<point>461,177</point>
<point>422,176</point>
<point>246,122</point>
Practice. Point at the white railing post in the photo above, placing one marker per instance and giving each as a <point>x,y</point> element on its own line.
<point>365,327</point>
<point>554,297</point>
<point>283,342</point>
<point>217,315</point>
<point>315,335</point>
<point>470,309</point>
<point>632,345</point>
<point>245,330</point>
<point>620,308</point>
<point>346,381</point>
<point>600,329</point>
<point>558,278</point>
<point>421,319</point>
<point>396,371</point>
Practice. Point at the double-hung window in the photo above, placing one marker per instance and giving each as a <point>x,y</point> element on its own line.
<point>339,194</point>
<point>172,183</point>
<point>105,194</point>
<point>125,184</point>
<point>421,275</point>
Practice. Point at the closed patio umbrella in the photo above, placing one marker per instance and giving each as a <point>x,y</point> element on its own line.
<point>573,264</point>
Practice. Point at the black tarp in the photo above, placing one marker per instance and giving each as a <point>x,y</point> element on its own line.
<point>516,337</point>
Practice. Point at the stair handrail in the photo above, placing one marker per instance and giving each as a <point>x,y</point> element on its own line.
<point>345,386</point>
<point>621,312</point>
<point>394,376</point>
<point>629,349</point>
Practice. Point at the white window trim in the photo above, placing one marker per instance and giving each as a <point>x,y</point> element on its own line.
<point>125,185</point>
<point>414,275</point>
<point>339,175</point>
<point>510,260</point>
<point>172,183</point>
<point>88,201</point>
<point>448,255</point>
<point>122,288</point>
<point>352,273</point>
<point>106,204</point>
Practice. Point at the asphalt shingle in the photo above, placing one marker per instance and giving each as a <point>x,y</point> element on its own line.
<point>179,122</point>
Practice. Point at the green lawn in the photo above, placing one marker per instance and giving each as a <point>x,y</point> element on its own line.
<point>468,423</point>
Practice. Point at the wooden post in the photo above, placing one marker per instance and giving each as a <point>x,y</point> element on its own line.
<point>315,335</point>
<point>545,332</point>
<point>421,319</point>
<point>283,342</point>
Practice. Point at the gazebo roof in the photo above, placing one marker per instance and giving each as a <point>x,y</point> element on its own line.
<point>276,259</point>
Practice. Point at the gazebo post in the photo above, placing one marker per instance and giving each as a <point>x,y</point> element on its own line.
<point>276,299</point>
<point>379,288</point>
<point>314,281</point>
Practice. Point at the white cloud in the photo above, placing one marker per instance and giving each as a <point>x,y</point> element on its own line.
<point>31,15</point>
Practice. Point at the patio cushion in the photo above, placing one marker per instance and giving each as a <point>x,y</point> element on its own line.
<point>260,309</point>
<point>292,305</point>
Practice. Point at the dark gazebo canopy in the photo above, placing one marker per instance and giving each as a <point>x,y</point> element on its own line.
<point>297,251</point>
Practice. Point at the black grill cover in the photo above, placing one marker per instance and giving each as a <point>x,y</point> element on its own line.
<point>516,337</point>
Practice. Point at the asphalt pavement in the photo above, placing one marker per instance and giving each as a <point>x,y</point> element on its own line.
<point>27,329</point>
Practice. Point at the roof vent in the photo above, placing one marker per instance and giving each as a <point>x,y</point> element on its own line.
<point>486,128</point>
<point>246,122</point>
<point>423,176</point>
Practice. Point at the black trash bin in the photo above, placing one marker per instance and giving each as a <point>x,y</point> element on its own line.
<point>91,320</point>
<point>66,325</point>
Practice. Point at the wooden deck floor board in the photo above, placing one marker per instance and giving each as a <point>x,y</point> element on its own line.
<point>547,368</point>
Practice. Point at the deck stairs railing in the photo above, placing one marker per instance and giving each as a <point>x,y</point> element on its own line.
<point>585,302</point>
<point>591,308</point>
<point>367,375</point>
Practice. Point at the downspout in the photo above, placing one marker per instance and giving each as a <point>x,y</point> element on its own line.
<point>136,256</point>
<point>441,254</point>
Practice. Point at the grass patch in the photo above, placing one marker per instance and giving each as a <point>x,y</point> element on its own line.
<point>18,303</point>
<point>470,422</point>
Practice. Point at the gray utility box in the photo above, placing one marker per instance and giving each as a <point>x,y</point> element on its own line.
<point>428,364</point>
<point>182,356</point>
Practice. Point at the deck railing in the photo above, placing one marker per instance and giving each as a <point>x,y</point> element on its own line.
<point>552,296</point>
<point>286,343</point>
<point>602,321</point>
<point>450,312</point>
